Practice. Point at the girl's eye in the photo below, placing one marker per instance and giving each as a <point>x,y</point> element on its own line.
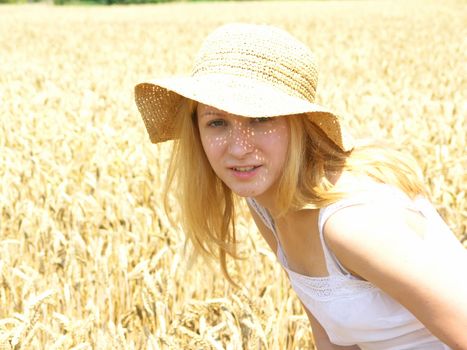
<point>216,123</point>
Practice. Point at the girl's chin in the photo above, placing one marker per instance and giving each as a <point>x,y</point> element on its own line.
<point>251,193</point>
<point>245,192</point>
<point>251,189</point>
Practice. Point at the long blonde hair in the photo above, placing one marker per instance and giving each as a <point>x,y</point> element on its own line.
<point>207,205</point>
<point>313,157</point>
<point>207,210</point>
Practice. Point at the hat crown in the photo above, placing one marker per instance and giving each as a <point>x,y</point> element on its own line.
<point>259,52</point>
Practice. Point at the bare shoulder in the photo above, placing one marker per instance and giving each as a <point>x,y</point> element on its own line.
<point>385,236</point>
<point>361,222</point>
<point>377,242</point>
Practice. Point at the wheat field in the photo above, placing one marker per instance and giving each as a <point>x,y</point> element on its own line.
<point>87,258</point>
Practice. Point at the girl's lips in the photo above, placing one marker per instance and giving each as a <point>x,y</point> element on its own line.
<point>245,172</point>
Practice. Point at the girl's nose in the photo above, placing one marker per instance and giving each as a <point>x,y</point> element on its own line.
<point>240,140</point>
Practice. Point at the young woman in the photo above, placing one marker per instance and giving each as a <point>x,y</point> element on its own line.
<point>369,257</point>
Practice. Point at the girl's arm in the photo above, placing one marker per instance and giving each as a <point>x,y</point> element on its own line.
<point>320,336</point>
<point>378,244</point>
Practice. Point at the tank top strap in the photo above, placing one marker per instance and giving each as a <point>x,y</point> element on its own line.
<point>378,193</point>
<point>332,263</point>
<point>264,215</point>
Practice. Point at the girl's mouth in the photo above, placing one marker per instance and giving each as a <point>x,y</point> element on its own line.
<point>245,169</point>
<point>245,172</point>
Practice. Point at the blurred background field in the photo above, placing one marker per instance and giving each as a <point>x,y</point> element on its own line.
<point>88,260</point>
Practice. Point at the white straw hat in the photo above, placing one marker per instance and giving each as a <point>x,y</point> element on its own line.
<point>244,69</point>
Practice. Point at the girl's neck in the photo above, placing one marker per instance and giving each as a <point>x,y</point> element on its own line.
<point>270,204</point>
<point>267,200</point>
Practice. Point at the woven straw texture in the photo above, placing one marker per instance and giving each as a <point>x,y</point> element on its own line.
<point>244,69</point>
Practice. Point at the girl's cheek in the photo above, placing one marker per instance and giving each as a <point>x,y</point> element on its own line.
<point>216,141</point>
<point>273,135</point>
<point>213,145</point>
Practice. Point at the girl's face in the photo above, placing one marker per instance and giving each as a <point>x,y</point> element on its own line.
<point>247,154</point>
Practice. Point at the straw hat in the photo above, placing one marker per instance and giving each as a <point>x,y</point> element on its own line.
<point>244,69</point>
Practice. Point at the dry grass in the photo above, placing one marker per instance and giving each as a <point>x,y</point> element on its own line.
<point>88,261</point>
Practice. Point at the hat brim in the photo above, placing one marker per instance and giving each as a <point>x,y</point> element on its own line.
<point>158,102</point>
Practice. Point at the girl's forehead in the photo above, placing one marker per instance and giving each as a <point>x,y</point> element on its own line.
<point>202,108</point>
<point>206,110</point>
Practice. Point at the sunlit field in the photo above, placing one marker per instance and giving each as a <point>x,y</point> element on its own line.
<point>87,258</point>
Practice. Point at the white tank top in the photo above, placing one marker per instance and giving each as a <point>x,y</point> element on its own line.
<point>354,311</point>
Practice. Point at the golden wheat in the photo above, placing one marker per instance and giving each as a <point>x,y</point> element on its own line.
<point>87,258</point>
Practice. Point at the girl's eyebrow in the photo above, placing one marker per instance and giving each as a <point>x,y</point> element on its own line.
<point>210,112</point>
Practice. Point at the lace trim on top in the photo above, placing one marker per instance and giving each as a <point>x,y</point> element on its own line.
<point>328,287</point>
<point>340,282</point>
<point>337,284</point>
